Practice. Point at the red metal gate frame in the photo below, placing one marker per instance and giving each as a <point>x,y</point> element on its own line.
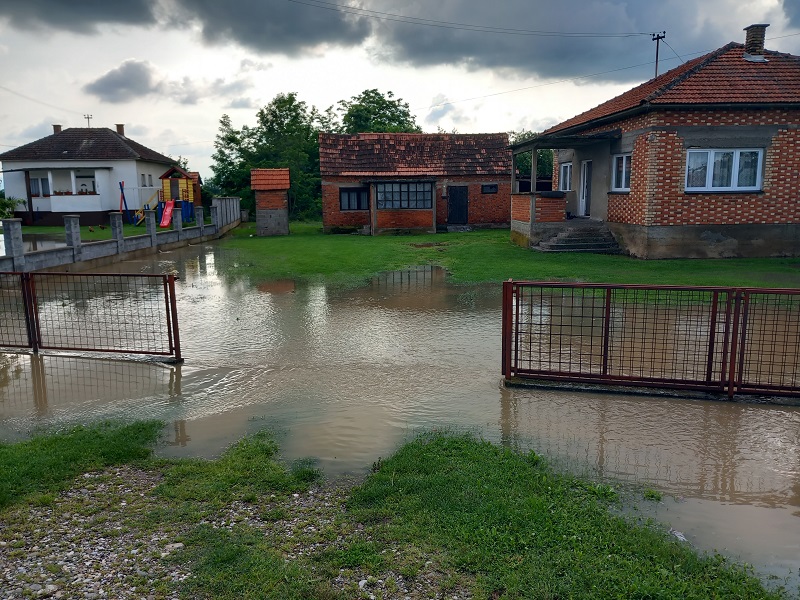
<point>734,332</point>
<point>32,323</point>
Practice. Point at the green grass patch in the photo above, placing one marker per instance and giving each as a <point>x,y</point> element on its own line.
<point>525,531</point>
<point>475,257</point>
<point>246,471</point>
<point>49,462</point>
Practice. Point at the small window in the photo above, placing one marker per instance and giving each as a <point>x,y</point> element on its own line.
<point>621,178</point>
<point>565,177</point>
<point>144,181</point>
<point>150,180</point>
<point>489,188</point>
<point>724,170</point>
<point>35,190</point>
<point>353,198</point>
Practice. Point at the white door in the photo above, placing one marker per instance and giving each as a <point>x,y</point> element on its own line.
<point>585,195</point>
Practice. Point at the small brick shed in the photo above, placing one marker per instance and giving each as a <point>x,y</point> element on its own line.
<point>374,182</point>
<point>271,188</point>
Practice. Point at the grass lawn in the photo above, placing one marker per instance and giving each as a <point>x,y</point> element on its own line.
<point>479,256</point>
<point>447,515</point>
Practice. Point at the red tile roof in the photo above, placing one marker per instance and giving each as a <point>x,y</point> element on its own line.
<point>414,154</point>
<point>720,77</point>
<point>84,143</point>
<point>269,179</point>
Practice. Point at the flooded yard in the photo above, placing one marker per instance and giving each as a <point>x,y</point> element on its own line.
<point>345,375</point>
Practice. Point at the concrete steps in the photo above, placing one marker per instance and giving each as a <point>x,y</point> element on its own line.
<point>583,236</point>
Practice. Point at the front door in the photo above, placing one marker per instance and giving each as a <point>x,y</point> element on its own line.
<point>457,202</point>
<point>174,189</point>
<point>585,196</point>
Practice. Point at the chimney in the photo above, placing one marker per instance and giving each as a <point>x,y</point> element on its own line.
<point>754,43</point>
<point>121,129</point>
<point>56,128</point>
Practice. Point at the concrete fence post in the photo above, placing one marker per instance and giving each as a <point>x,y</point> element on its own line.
<point>150,227</point>
<point>12,234</point>
<point>116,230</point>
<point>177,219</point>
<point>72,231</point>
<point>215,217</point>
<point>200,218</point>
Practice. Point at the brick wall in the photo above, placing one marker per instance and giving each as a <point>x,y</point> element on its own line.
<point>331,215</point>
<point>271,200</point>
<point>550,210</point>
<point>657,196</point>
<point>521,207</point>
<point>483,209</point>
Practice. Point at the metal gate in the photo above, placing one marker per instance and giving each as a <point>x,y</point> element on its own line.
<point>722,340</point>
<point>120,313</point>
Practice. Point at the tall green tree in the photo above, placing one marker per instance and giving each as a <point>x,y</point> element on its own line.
<point>285,136</point>
<point>372,111</point>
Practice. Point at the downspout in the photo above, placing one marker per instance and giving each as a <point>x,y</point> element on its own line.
<point>28,194</point>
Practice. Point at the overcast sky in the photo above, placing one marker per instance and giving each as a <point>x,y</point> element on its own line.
<point>169,69</point>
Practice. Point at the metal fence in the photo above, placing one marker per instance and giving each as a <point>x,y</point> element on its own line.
<point>723,340</point>
<point>120,313</point>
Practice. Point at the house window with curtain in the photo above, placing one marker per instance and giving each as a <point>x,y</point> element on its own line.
<point>404,195</point>
<point>40,187</point>
<point>724,170</point>
<point>354,198</point>
<point>565,177</point>
<point>621,177</point>
<point>149,181</point>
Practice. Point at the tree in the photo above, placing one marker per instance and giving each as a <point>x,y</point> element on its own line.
<point>285,136</point>
<point>544,156</point>
<point>372,111</point>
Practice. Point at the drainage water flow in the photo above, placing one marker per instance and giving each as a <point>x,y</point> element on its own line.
<point>345,376</point>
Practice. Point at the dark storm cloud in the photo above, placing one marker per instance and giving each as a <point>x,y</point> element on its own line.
<point>553,56</point>
<point>792,10</point>
<point>77,15</point>
<point>135,79</point>
<point>276,26</point>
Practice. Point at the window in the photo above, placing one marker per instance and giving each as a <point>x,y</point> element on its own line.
<point>723,170</point>
<point>621,178</point>
<point>144,181</point>
<point>489,188</point>
<point>354,198</point>
<point>150,180</point>
<point>40,187</point>
<point>404,195</point>
<point>565,177</point>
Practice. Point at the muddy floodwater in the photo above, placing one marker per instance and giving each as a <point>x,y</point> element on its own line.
<point>346,375</point>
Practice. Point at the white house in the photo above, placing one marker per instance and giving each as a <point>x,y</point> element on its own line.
<point>79,171</point>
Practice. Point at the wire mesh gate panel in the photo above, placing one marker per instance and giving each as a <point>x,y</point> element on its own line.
<point>709,339</point>
<point>120,313</point>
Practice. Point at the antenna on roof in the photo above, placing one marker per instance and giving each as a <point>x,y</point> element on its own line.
<point>657,37</point>
<point>88,120</point>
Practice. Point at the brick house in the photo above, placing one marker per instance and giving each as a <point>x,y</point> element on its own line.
<point>701,161</point>
<point>373,182</point>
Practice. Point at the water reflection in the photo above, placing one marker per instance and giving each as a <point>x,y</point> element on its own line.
<point>346,375</point>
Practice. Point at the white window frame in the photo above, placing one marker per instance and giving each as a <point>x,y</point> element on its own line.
<point>734,187</point>
<point>565,177</point>
<point>620,186</point>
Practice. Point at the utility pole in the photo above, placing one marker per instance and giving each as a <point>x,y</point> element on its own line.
<point>89,117</point>
<point>657,37</point>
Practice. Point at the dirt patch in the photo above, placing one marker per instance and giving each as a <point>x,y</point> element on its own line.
<point>428,244</point>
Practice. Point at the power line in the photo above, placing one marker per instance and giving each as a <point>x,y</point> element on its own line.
<point>16,93</point>
<point>384,16</point>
